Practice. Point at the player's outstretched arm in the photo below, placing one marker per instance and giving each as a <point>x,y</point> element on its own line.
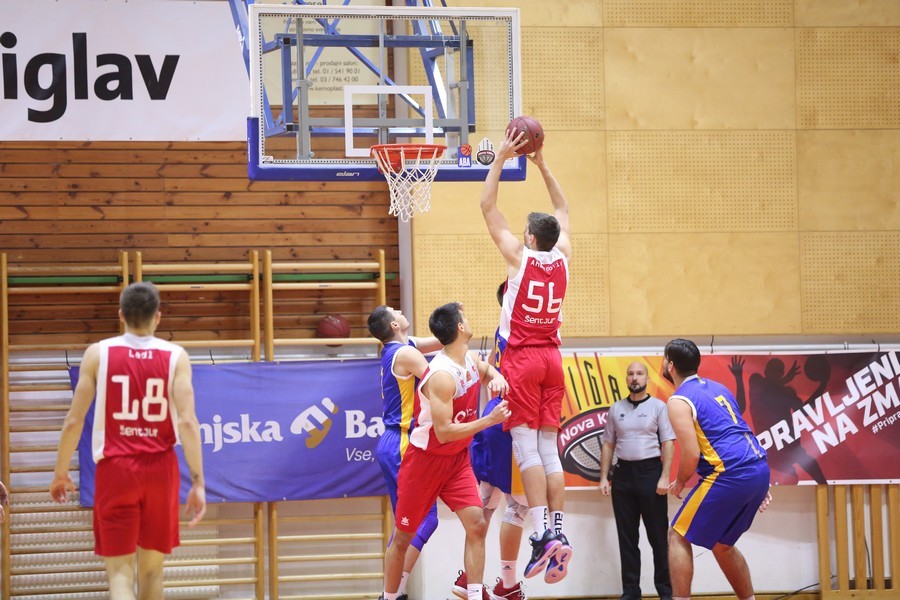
<point>427,345</point>
<point>85,389</point>
<point>558,199</point>
<point>508,244</point>
<point>682,419</point>
<point>189,433</point>
<point>440,389</point>
<point>409,361</point>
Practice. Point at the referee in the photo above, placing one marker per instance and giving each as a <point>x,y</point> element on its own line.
<point>639,435</point>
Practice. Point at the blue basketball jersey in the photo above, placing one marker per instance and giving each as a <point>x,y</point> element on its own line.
<point>726,441</point>
<point>397,393</point>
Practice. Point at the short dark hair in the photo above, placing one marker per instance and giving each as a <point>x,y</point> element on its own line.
<point>379,323</point>
<point>545,229</point>
<point>500,292</point>
<point>684,356</point>
<point>139,303</point>
<point>444,322</point>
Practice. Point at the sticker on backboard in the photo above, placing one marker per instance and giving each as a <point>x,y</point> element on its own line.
<point>464,158</point>
<point>485,152</point>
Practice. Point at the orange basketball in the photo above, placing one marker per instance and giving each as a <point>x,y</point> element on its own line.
<point>333,326</point>
<point>534,133</point>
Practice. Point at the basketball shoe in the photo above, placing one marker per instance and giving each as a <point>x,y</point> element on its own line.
<point>558,566</point>
<point>513,593</point>
<point>460,589</point>
<point>542,550</point>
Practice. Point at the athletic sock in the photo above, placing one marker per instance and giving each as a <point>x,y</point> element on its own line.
<point>508,573</point>
<point>390,596</point>
<point>403,578</point>
<point>474,591</point>
<point>539,519</point>
<point>753,597</point>
<point>556,518</point>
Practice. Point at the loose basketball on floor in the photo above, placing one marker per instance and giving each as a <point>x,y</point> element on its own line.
<point>534,133</point>
<point>333,326</point>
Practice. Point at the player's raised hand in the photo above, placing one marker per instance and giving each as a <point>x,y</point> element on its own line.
<point>500,412</point>
<point>195,507</point>
<point>508,148</point>
<point>60,487</point>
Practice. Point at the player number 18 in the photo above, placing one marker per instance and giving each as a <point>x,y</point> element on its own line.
<point>147,406</point>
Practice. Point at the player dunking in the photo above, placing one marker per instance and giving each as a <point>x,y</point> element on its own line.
<point>437,462</point>
<point>538,271</point>
<point>402,365</point>
<point>143,393</point>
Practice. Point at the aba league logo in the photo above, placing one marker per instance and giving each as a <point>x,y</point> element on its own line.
<point>579,443</point>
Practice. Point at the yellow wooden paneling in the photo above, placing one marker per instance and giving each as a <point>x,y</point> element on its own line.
<point>698,13</point>
<point>586,309</point>
<point>850,282</point>
<point>699,78</point>
<point>848,78</point>
<point>701,181</point>
<point>711,283</point>
<point>578,161</point>
<point>457,268</point>
<point>563,89</point>
<point>848,180</point>
<point>847,13</point>
<point>537,13</point>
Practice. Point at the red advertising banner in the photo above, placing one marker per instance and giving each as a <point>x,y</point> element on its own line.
<point>822,418</point>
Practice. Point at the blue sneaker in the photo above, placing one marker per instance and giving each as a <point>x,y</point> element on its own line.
<point>558,566</point>
<point>542,551</point>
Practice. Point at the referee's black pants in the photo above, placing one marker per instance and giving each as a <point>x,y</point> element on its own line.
<point>634,498</point>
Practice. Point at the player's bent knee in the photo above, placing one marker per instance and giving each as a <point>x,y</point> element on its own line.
<point>525,447</point>
<point>549,452</point>
<point>515,513</point>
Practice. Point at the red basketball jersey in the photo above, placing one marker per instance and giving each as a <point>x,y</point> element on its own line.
<point>465,404</point>
<point>132,410</point>
<point>532,305</point>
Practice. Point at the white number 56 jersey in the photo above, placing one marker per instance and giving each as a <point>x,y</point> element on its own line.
<point>132,412</point>
<point>532,306</point>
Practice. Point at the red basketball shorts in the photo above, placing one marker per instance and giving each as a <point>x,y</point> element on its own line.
<point>536,386</point>
<point>424,477</point>
<point>136,504</point>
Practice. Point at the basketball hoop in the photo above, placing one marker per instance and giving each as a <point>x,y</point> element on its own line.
<point>409,170</point>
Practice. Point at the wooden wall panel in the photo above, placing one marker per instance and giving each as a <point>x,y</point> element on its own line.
<point>849,180</point>
<point>841,13</point>
<point>698,13</point>
<point>848,78</point>
<point>704,284</point>
<point>850,281</point>
<point>690,78</point>
<point>81,203</point>
<point>702,181</point>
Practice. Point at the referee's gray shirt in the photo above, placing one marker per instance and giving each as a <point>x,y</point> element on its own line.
<point>638,431</point>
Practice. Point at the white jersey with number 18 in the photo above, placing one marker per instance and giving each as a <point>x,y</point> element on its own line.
<point>532,305</point>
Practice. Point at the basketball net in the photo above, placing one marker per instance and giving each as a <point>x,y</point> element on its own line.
<point>409,170</point>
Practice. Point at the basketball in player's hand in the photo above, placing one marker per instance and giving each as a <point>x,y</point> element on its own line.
<point>333,326</point>
<point>534,133</point>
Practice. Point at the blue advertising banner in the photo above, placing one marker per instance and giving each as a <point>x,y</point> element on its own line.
<point>271,432</point>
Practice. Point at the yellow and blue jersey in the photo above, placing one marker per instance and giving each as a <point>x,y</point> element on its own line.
<point>726,441</point>
<point>732,466</point>
<point>397,393</point>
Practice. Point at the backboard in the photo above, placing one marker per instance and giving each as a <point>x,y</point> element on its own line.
<point>328,82</point>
